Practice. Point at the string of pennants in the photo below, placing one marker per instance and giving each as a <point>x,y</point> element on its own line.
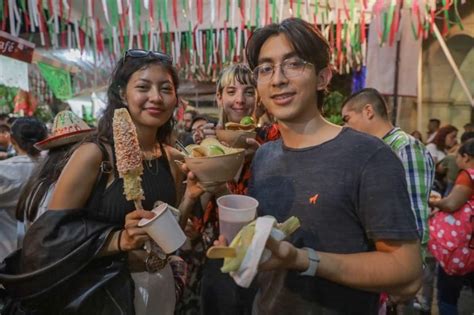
<point>204,35</point>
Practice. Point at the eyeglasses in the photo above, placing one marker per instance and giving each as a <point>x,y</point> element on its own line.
<point>290,68</point>
<point>140,53</point>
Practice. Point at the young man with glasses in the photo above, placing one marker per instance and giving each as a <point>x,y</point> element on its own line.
<point>358,235</point>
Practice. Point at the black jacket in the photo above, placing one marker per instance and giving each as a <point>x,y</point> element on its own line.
<point>58,270</point>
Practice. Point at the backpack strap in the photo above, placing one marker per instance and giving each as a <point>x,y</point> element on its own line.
<point>106,167</point>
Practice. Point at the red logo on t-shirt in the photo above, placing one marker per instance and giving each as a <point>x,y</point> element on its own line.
<point>313,199</point>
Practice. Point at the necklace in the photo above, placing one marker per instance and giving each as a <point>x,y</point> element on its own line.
<point>148,159</point>
<point>149,166</point>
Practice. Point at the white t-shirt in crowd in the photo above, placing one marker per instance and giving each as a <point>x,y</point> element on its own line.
<point>436,154</point>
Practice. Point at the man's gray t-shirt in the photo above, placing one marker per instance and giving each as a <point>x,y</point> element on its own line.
<point>347,192</point>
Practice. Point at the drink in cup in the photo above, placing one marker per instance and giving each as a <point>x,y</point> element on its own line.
<point>235,211</point>
<point>164,229</point>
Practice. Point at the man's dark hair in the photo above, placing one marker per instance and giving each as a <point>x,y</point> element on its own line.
<point>436,121</point>
<point>26,131</point>
<point>4,117</point>
<point>366,96</point>
<point>197,118</point>
<point>308,42</point>
<point>466,136</point>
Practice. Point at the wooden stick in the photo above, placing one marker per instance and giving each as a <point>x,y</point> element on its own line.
<point>138,204</point>
<point>217,252</point>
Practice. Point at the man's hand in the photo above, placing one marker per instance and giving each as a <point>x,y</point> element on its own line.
<point>284,256</point>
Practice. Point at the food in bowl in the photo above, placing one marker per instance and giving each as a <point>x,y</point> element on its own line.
<point>212,161</point>
<point>236,135</point>
<point>246,123</point>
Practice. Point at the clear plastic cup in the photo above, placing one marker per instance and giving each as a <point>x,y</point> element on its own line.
<point>235,211</point>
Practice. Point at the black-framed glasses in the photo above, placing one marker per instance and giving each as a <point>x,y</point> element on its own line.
<point>290,68</point>
<point>141,53</point>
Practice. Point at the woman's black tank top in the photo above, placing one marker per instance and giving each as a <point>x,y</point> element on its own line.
<point>157,184</point>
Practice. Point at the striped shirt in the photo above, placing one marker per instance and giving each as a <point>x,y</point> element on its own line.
<point>419,172</point>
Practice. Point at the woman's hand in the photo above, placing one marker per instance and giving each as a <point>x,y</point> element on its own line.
<point>134,237</point>
<point>194,188</point>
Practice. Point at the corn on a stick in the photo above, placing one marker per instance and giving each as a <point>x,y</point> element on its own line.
<point>128,154</point>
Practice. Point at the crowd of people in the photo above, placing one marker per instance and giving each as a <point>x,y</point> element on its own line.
<point>364,194</point>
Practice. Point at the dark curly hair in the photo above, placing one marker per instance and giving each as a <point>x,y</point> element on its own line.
<point>122,73</point>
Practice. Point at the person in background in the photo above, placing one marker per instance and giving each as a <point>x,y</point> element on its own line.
<point>444,140</point>
<point>469,127</point>
<point>441,145</point>
<point>186,137</point>
<point>461,198</point>
<point>448,165</point>
<point>197,126</point>
<point>14,173</point>
<point>358,235</point>
<point>433,126</point>
<point>68,129</point>
<point>366,111</point>
<point>6,147</point>
<point>417,135</point>
<point>188,118</point>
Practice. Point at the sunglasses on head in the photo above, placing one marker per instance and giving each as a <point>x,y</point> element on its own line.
<point>140,53</point>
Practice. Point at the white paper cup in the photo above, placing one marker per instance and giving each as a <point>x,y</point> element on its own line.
<point>164,229</point>
<point>235,211</point>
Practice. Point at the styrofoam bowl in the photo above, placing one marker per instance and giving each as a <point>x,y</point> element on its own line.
<point>219,168</point>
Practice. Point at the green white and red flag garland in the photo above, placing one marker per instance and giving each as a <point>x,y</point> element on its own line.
<point>202,36</point>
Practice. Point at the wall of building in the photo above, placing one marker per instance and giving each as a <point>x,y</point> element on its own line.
<point>443,97</point>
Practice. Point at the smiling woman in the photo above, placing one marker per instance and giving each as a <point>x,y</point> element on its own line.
<point>90,196</point>
<point>150,96</point>
<point>236,94</point>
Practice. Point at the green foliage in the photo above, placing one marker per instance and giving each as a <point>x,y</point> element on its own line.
<point>332,107</point>
<point>7,94</point>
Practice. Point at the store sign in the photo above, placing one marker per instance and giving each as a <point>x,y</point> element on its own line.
<point>16,48</point>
